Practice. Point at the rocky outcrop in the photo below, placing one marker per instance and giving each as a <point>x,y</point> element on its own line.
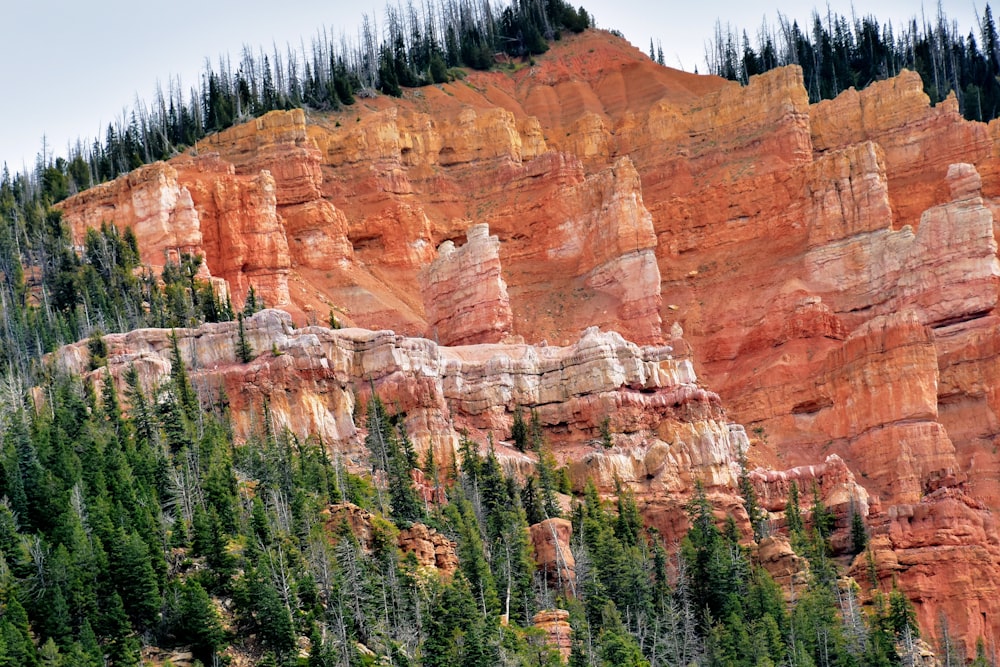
<point>200,207</point>
<point>465,296</point>
<point>831,482</point>
<point>788,569</point>
<point>152,202</point>
<point>943,552</point>
<point>919,141</point>
<point>430,549</point>
<point>551,541</point>
<point>945,271</point>
<point>312,378</point>
<point>558,632</point>
<point>245,243</point>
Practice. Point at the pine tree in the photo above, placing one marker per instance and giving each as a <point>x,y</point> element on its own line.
<point>793,515</point>
<point>243,350</point>
<point>755,513</point>
<point>472,560</point>
<point>859,533</point>
<point>404,502</point>
<point>135,579</point>
<point>123,647</point>
<point>199,622</point>
<point>519,431</point>
<point>15,636</point>
<point>615,645</point>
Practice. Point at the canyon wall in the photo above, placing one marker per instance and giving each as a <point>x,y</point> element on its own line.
<point>830,271</point>
<point>668,430</point>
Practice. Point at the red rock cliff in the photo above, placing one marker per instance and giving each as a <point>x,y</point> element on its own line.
<point>833,268</point>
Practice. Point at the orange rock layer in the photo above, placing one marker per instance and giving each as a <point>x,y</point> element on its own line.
<point>833,268</point>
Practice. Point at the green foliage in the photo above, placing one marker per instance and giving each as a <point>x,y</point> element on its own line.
<point>837,52</point>
<point>755,513</point>
<point>198,622</point>
<point>614,644</point>
<point>243,350</point>
<point>116,531</point>
<point>793,513</point>
<point>456,629</point>
<point>822,519</point>
<point>859,532</point>
<point>98,349</point>
<point>519,431</point>
<point>52,292</point>
<point>391,452</point>
<point>606,441</point>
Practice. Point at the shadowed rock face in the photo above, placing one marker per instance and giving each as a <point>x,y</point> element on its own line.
<point>833,269</point>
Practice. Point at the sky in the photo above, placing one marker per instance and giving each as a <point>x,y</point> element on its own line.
<point>67,69</point>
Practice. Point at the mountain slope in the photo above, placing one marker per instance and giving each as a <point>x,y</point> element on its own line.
<point>830,270</point>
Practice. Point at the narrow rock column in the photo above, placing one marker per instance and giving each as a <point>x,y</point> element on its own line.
<point>465,296</point>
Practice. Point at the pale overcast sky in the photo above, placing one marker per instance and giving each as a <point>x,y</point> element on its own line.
<point>67,69</point>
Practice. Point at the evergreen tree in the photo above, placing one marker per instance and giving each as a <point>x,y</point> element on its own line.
<point>793,515</point>
<point>243,350</point>
<point>122,648</point>
<point>519,431</point>
<point>185,393</point>
<point>135,579</point>
<point>755,513</point>
<point>15,636</point>
<point>199,625</point>
<point>859,533</point>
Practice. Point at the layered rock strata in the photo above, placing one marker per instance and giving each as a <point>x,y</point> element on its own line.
<point>313,378</point>
<point>558,632</point>
<point>833,267</point>
<point>465,296</point>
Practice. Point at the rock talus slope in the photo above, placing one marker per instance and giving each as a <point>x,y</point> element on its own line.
<point>829,270</point>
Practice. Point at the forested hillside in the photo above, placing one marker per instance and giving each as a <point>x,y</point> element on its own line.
<point>837,52</point>
<point>156,529</point>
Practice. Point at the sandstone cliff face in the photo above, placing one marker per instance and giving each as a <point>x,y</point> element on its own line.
<point>312,378</point>
<point>152,202</point>
<point>833,268</point>
<point>465,296</point>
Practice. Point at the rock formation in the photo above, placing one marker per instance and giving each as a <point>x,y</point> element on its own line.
<point>559,633</point>
<point>551,541</point>
<point>465,296</point>
<point>430,548</point>
<point>788,569</point>
<point>313,377</point>
<point>833,268</point>
<point>153,203</point>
